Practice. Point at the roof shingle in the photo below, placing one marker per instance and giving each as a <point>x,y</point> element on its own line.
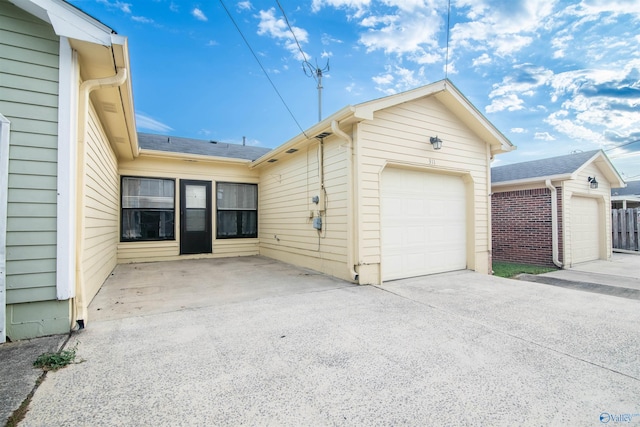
<point>202,147</point>
<point>560,165</point>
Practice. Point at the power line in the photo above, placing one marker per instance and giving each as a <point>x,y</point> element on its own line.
<point>622,145</point>
<point>262,67</point>
<point>307,67</point>
<point>446,63</point>
<point>286,20</point>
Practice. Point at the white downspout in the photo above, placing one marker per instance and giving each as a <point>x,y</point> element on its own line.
<point>554,223</point>
<point>79,311</point>
<point>351,225</point>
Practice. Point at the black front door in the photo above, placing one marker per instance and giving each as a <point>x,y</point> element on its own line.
<point>195,217</point>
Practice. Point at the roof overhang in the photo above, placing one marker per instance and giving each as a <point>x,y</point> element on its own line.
<point>442,90</point>
<point>114,105</point>
<point>449,95</point>
<point>101,53</point>
<point>534,180</point>
<point>344,116</point>
<point>600,160</point>
<point>67,20</point>
<point>187,157</point>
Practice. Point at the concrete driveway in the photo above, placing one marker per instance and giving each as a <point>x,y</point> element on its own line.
<point>460,348</point>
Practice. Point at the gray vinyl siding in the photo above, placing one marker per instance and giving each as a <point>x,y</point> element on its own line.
<point>29,99</point>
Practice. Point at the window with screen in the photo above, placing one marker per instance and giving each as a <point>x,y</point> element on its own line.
<point>237,210</point>
<point>148,209</point>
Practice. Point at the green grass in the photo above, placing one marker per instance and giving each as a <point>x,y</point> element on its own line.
<point>509,270</point>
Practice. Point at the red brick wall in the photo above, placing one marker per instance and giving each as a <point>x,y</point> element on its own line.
<point>521,226</point>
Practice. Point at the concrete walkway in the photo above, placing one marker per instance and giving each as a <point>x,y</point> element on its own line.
<point>451,349</point>
<point>618,277</point>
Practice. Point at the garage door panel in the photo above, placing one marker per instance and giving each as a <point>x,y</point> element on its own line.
<point>428,233</point>
<point>585,230</point>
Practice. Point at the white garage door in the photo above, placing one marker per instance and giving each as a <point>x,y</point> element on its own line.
<point>423,223</point>
<point>585,230</point>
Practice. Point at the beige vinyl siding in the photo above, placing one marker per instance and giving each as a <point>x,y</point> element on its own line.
<point>285,209</point>
<point>29,99</point>
<point>400,136</point>
<point>179,168</point>
<point>579,187</point>
<point>101,208</point>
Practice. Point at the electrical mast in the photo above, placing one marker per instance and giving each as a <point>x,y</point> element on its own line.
<point>316,73</point>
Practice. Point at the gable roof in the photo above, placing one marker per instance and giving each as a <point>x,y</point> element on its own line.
<point>174,144</point>
<point>555,168</point>
<point>443,90</point>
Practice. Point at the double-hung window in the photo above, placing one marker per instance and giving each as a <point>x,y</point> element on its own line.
<point>148,209</point>
<point>237,210</point>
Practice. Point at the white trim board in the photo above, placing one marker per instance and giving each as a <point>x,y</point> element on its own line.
<point>4,187</point>
<point>66,201</point>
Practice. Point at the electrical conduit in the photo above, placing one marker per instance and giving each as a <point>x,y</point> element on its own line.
<point>80,303</point>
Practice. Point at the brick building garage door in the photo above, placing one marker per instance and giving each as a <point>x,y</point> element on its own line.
<point>423,223</point>
<point>585,230</point>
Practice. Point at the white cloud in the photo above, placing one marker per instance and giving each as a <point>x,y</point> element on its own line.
<point>544,136</point>
<point>277,28</point>
<point>415,33</point>
<point>124,7</point>
<point>145,122</point>
<point>483,59</point>
<point>502,27</point>
<point>358,5</point>
<point>244,5</point>
<point>518,130</point>
<point>384,79</point>
<point>560,122</point>
<point>199,15</point>
<point>509,102</point>
<point>398,79</point>
<point>142,19</point>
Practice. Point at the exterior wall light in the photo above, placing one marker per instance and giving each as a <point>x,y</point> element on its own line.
<point>436,142</point>
<point>592,182</point>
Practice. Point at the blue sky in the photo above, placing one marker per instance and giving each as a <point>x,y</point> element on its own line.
<point>553,76</point>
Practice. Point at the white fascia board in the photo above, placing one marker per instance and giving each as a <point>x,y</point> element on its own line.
<point>67,21</point>
<point>67,166</point>
<point>537,179</point>
<point>4,187</point>
<point>187,157</point>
